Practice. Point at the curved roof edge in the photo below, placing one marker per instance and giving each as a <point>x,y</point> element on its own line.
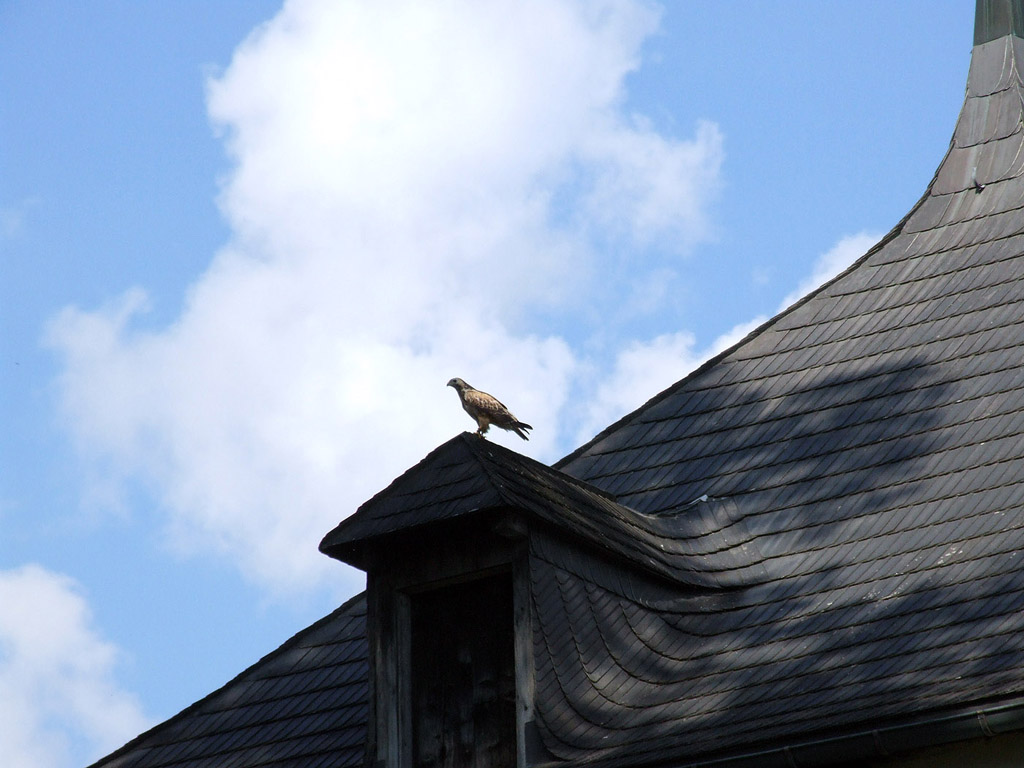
<point>995,68</point>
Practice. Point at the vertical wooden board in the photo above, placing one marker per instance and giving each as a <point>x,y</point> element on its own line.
<point>463,676</point>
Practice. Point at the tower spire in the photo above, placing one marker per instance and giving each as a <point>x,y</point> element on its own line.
<point>998,18</point>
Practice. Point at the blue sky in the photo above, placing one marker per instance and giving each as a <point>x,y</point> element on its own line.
<point>242,248</point>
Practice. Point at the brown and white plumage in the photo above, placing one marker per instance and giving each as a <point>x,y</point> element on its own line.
<point>487,409</point>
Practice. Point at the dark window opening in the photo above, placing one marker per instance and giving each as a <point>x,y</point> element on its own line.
<point>463,676</point>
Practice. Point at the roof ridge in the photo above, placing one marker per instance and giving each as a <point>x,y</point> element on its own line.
<point>475,450</point>
<point>583,485</point>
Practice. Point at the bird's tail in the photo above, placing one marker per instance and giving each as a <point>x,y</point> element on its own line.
<point>518,427</point>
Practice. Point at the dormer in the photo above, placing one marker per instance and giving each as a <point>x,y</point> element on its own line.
<point>447,617</point>
<point>446,548</point>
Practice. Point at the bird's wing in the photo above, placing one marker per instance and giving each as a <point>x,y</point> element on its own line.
<point>485,403</point>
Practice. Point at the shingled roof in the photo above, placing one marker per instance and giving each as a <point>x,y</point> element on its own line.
<point>805,552</point>
<point>872,440</point>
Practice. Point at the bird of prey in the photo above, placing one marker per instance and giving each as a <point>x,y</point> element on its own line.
<point>487,410</point>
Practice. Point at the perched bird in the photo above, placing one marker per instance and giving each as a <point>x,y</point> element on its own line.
<point>487,410</point>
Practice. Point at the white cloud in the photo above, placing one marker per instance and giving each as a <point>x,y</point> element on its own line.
<point>637,186</point>
<point>56,675</point>
<point>420,191</point>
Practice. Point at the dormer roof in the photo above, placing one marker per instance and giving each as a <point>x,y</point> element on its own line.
<point>703,545</point>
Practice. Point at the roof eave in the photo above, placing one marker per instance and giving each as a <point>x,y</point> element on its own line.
<point>877,742</point>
